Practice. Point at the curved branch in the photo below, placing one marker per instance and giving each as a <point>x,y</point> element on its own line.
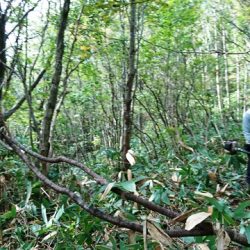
<point>201,230</point>
<point>99,179</point>
<point>206,230</point>
<point>74,196</point>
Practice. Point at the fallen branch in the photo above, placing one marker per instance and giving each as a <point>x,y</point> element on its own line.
<point>99,179</point>
<point>202,229</point>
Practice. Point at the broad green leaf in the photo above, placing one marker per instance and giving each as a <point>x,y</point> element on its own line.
<point>59,213</point>
<point>220,205</point>
<point>127,185</point>
<point>164,198</point>
<point>240,212</point>
<point>228,218</point>
<point>139,178</point>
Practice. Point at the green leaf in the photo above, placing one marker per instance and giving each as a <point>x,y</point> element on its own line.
<point>35,229</point>
<point>127,185</point>
<point>164,198</point>
<point>103,248</point>
<point>27,246</point>
<point>9,214</point>
<point>217,204</point>
<point>122,246</point>
<point>228,219</point>
<point>140,178</point>
<point>44,214</point>
<point>240,212</point>
<point>59,213</point>
<point>247,232</point>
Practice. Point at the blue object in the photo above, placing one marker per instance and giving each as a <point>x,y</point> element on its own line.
<point>246,126</point>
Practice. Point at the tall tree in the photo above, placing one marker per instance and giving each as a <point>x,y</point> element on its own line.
<point>2,51</point>
<point>128,88</point>
<point>45,140</point>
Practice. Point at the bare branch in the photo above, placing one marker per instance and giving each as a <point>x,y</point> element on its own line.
<point>198,52</point>
<point>202,230</point>
<point>10,112</point>
<point>74,196</point>
<point>22,18</point>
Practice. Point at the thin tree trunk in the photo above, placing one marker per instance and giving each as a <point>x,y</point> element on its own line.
<point>2,52</point>
<point>217,75</point>
<point>238,86</point>
<point>245,89</point>
<point>226,68</point>
<point>52,100</point>
<point>127,114</point>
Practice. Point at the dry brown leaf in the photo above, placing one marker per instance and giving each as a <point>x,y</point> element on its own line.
<point>159,235</point>
<point>185,146</point>
<point>120,176</point>
<point>131,237</point>
<point>195,219</point>
<point>210,209</point>
<point>107,190</point>
<point>176,178</point>
<point>182,144</point>
<point>129,174</point>
<point>117,213</point>
<point>222,240</point>
<point>106,234</point>
<point>202,246</point>
<point>217,188</point>
<point>158,247</point>
<point>205,194</point>
<point>222,190</point>
<point>212,176</point>
<point>130,157</point>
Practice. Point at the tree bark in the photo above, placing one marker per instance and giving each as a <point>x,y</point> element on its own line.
<point>52,100</point>
<point>217,75</point>
<point>127,114</point>
<point>2,51</point>
<point>226,68</point>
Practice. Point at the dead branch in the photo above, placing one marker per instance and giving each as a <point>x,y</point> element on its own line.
<point>202,229</point>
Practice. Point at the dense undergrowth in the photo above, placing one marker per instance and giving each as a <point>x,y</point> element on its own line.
<point>33,216</point>
<point>89,79</point>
